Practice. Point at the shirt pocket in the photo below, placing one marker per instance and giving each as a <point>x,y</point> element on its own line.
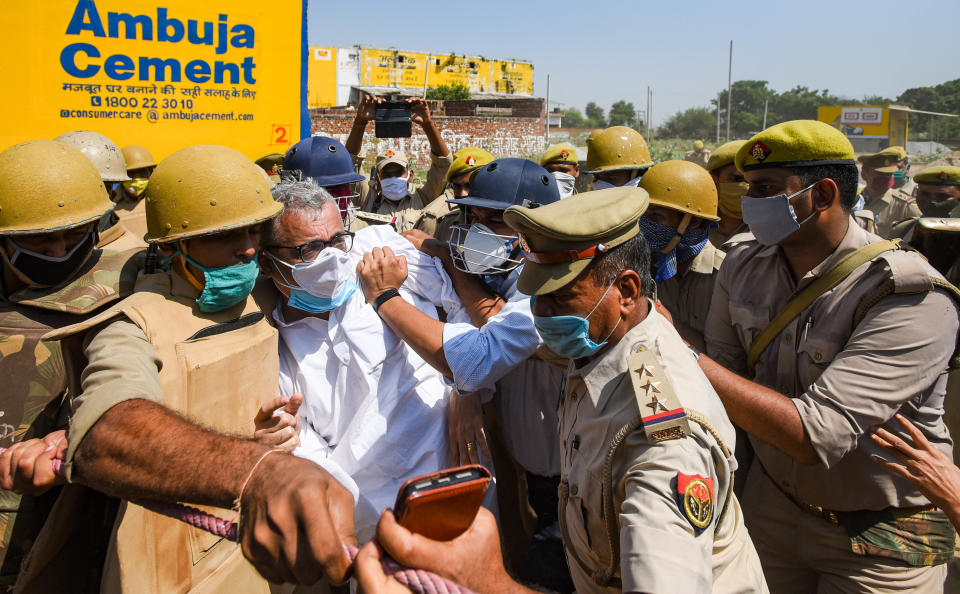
<point>749,320</point>
<point>815,352</point>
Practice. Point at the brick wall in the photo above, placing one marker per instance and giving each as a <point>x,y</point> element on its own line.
<point>516,135</point>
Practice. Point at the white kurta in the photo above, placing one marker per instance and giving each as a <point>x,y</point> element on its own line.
<point>374,412</point>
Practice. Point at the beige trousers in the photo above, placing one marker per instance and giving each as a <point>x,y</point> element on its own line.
<point>803,553</point>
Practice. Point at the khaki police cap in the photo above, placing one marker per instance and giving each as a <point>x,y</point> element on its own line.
<point>560,240</point>
<point>271,164</point>
<point>724,155</point>
<point>879,162</point>
<point>391,156</point>
<point>560,153</point>
<point>898,151</point>
<point>940,175</point>
<point>468,160</point>
<point>797,143</point>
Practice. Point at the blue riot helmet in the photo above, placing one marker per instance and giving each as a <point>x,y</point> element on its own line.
<point>328,163</point>
<point>478,249</point>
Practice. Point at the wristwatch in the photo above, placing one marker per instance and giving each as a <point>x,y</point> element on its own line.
<point>695,350</point>
<point>383,298</point>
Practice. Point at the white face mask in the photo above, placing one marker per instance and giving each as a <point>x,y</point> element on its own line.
<point>602,184</point>
<point>565,183</point>
<point>394,188</point>
<point>325,276</point>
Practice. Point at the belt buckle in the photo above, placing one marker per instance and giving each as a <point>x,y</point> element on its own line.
<point>830,516</point>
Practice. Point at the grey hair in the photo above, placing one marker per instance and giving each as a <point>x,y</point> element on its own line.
<point>295,196</point>
<point>632,254</point>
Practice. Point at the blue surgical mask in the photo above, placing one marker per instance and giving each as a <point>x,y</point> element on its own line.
<point>899,177</point>
<point>772,219</point>
<point>860,204</point>
<point>659,236</point>
<point>394,188</point>
<point>305,301</point>
<point>569,336</point>
<point>225,286</point>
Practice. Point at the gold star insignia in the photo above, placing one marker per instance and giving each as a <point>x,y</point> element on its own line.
<point>651,385</point>
<point>644,371</point>
<point>655,403</point>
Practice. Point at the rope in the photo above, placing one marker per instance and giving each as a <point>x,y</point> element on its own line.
<point>417,580</point>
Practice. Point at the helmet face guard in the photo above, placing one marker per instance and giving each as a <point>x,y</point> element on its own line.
<point>478,250</point>
<point>345,195</point>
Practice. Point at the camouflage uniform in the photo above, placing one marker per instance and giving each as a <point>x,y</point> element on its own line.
<point>34,380</point>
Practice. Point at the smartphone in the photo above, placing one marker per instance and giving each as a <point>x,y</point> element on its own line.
<point>393,120</point>
<point>442,505</point>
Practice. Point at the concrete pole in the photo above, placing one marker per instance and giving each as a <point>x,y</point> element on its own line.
<point>729,88</point>
<point>719,95</point>
<point>648,115</point>
<point>546,134</point>
<point>765,103</point>
<point>426,76</point>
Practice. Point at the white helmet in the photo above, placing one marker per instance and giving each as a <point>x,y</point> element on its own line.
<point>102,151</point>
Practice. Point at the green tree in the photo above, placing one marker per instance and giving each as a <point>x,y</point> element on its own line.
<point>622,114</point>
<point>595,115</point>
<point>942,98</point>
<point>454,92</point>
<point>695,122</point>
<point>572,118</point>
<point>747,99</point>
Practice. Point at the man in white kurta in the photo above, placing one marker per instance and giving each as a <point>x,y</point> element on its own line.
<point>373,411</point>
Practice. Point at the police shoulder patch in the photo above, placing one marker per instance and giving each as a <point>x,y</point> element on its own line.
<point>696,500</point>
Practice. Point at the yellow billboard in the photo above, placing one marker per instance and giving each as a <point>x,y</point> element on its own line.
<point>322,77</point>
<point>331,69</point>
<point>161,73</point>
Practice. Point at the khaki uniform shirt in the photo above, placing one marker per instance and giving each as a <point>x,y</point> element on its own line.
<point>843,380</point>
<point>439,217</point>
<point>698,157</point>
<point>660,550</point>
<point>407,209</point>
<point>718,237</point>
<point>893,207</point>
<point>687,295</point>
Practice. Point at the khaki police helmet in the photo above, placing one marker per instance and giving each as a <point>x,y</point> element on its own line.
<point>617,148</point>
<point>682,186</point>
<point>103,152</point>
<point>137,157</point>
<point>48,186</point>
<point>206,189</point>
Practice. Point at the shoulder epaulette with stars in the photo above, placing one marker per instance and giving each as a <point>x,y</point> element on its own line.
<point>660,411</point>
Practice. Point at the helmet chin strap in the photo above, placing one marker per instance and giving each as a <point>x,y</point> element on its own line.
<point>23,278</point>
<point>180,266</point>
<point>681,229</point>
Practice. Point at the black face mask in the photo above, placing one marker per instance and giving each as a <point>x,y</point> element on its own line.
<point>49,271</point>
<point>937,208</point>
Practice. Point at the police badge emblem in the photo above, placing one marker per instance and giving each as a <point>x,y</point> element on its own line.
<point>695,494</point>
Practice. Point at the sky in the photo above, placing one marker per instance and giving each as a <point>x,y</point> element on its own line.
<point>604,51</point>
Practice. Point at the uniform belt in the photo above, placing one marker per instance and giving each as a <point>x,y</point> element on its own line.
<point>836,517</point>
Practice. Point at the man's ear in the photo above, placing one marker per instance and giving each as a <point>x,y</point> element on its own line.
<point>266,264</point>
<point>825,193</point>
<point>631,291</point>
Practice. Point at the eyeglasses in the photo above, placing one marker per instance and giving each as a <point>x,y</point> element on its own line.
<point>309,251</point>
